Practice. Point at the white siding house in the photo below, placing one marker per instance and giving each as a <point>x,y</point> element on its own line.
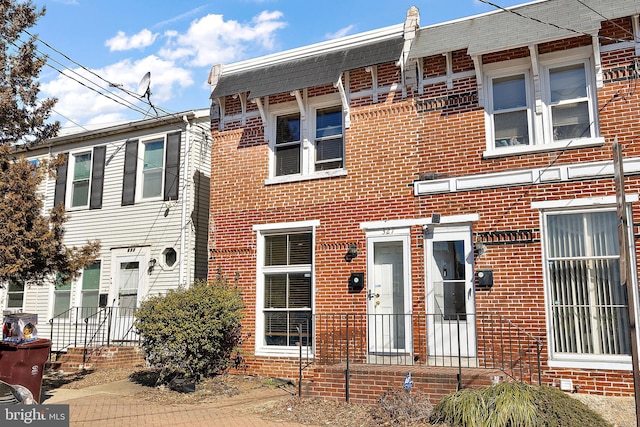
<point>142,189</point>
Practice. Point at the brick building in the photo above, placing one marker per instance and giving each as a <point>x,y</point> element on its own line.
<point>437,200</point>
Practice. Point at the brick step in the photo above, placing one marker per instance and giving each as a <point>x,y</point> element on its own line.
<point>98,357</point>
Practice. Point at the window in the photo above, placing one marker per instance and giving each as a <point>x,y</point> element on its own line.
<point>170,257</point>
<point>85,173</point>
<point>288,145</point>
<point>557,110</point>
<point>81,176</point>
<point>285,292</point>
<point>328,141</point>
<point>568,102</point>
<point>151,169</point>
<point>15,296</point>
<point>89,294</point>
<point>309,146</point>
<point>587,304</point>
<point>510,111</point>
<point>61,296</point>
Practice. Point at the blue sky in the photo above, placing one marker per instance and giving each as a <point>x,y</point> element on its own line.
<point>110,45</point>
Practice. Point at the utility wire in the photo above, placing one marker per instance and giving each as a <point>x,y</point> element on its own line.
<point>552,24</point>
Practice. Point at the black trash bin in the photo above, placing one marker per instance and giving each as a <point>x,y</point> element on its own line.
<point>23,363</point>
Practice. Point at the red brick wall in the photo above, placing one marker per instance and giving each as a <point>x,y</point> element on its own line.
<point>388,146</point>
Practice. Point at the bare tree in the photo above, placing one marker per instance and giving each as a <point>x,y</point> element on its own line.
<point>31,242</point>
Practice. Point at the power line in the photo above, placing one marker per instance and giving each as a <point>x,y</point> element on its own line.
<point>531,18</point>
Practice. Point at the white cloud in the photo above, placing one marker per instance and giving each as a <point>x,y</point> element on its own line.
<point>82,105</point>
<point>137,41</point>
<point>211,40</point>
<point>340,33</point>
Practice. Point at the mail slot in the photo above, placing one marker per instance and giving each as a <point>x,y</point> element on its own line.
<point>356,282</point>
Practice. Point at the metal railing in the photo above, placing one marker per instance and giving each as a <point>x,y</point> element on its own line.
<point>468,340</point>
<point>91,327</point>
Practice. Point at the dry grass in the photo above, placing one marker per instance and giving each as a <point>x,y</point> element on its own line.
<point>391,410</point>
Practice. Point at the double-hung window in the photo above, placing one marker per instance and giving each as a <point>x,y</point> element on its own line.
<point>587,304</point>
<point>15,296</point>
<point>310,145</point>
<point>285,290</point>
<point>549,103</point>
<point>81,180</point>
<point>89,292</point>
<point>511,110</point>
<point>329,143</point>
<point>288,145</point>
<point>151,169</point>
<point>568,102</point>
<point>62,296</point>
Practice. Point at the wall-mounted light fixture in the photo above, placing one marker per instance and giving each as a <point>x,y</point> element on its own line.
<point>479,248</point>
<point>352,252</point>
<point>152,264</point>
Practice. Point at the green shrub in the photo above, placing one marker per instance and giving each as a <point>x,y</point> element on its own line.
<point>514,405</point>
<point>191,332</point>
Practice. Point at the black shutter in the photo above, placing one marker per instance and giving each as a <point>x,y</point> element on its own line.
<point>97,177</point>
<point>61,181</point>
<point>129,180</point>
<point>172,167</point>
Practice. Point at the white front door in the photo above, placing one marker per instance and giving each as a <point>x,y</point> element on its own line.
<point>128,290</point>
<point>388,295</point>
<point>450,292</point>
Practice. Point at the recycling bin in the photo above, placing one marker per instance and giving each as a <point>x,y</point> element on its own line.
<point>23,363</point>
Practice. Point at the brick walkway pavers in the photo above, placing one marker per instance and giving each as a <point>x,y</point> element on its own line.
<point>115,405</point>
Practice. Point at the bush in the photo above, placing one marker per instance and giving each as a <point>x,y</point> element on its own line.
<point>402,408</point>
<point>514,405</point>
<point>191,332</point>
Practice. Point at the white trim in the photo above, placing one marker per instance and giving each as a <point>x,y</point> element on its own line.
<point>540,148</point>
<point>400,223</point>
<point>590,365</point>
<point>286,225</point>
<point>393,31</point>
<point>535,176</point>
<point>582,202</point>
<point>71,167</point>
<point>261,230</point>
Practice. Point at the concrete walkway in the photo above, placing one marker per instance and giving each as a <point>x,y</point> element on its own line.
<point>114,404</point>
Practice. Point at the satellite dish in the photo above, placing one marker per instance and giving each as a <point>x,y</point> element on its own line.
<point>143,87</point>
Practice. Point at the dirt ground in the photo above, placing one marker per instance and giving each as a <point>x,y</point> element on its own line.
<point>619,411</point>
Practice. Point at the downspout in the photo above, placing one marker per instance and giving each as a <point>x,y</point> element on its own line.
<point>183,217</point>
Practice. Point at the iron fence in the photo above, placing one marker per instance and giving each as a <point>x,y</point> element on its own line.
<point>467,340</point>
<point>93,327</point>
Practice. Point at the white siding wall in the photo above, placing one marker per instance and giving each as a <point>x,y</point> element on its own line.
<point>146,227</point>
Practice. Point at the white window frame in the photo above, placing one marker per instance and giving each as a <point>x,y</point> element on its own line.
<point>538,96</point>
<point>261,349</point>
<point>553,61</point>
<point>71,181</point>
<point>307,136</point>
<point>14,309</point>
<point>142,146</point>
<point>513,68</point>
<point>575,360</point>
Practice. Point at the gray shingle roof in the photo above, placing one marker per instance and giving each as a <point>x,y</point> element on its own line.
<point>310,71</point>
<point>531,23</point>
